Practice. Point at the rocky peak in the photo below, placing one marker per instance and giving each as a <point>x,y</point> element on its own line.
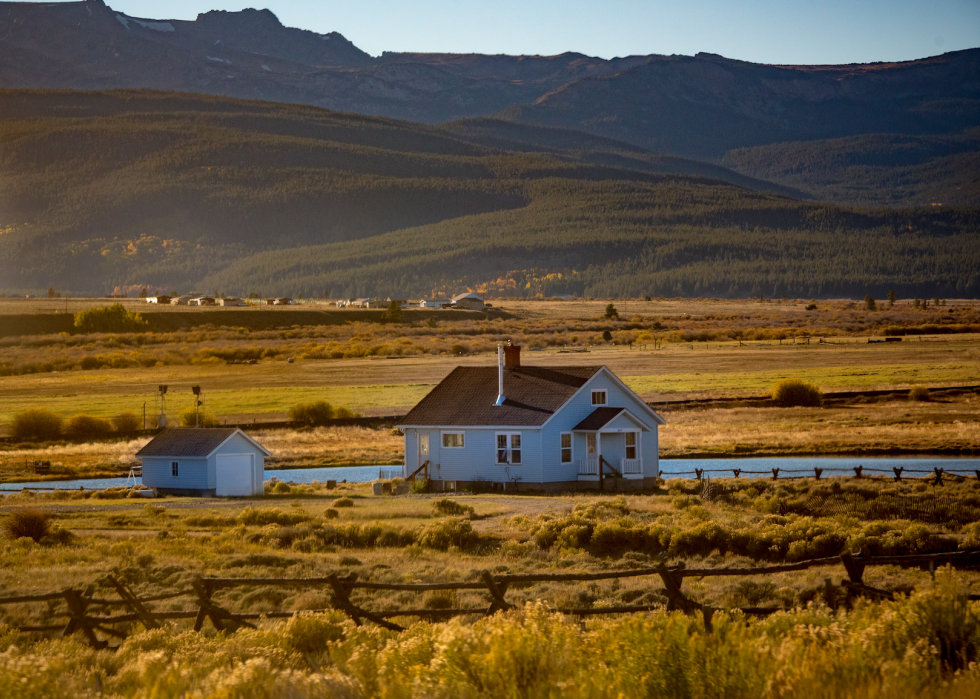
<point>237,21</point>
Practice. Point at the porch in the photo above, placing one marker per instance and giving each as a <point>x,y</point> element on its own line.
<point>611,440</point>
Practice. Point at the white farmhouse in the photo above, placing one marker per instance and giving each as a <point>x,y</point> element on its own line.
<point>532,428</point>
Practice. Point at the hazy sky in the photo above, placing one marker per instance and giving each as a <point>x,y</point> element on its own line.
<point>765,31</point>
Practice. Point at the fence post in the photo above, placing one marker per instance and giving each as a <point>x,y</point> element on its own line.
<point>204,592</point>
<point>134,604</point>
<point>675,598</point>
<point>857,471</point>
<point>707,612</point>
<point>817,472</point>
<point>939,476</point>
<point>854,568</point>
<point>775,473</point>
<point>341,600</point>
<point>737,471</point>
<point>700,471</point>
<point>898,473</point>
<point>497,592</point>
<point>76,607</point>
<point>829,598</point>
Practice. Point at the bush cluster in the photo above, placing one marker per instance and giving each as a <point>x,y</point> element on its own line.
<point>319,413</point>
<point>796,393</point>
<point>110,319</point>
<point>37,424</point>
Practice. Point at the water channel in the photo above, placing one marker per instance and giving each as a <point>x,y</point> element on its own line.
<point>749,467</point>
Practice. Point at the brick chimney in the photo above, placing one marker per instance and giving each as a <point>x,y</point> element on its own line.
<point>512,356</point>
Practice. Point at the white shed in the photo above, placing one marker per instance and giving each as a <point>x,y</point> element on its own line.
<point>201,461</point>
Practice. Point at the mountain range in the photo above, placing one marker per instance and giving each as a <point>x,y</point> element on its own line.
<point>870,134</point>
<point>102,191</point>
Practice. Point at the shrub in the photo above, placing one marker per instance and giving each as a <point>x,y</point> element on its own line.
<point>919,393</point>
<point>419,486</point>
<point>127,422</point>
<point>342,502</point>
<point>83,426</point>
<point>796,392</point>
<point>312,414</point>
<point>340,413</point>
<point>451,507</point>
<point>392,314</point>
<point>37,423</point>
<point>109,319</point>
<point>191,418</point>
<point>262,517</point>
<point>331,513</point>
<point>29,523</point>
<point>611,312</point>
<point>607,336</point>
<point>281,488</point>
<point>448,532</point>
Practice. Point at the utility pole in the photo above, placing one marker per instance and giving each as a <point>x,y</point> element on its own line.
<point>197,405</point>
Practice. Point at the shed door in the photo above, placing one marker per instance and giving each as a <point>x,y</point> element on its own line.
<point>234,475</point>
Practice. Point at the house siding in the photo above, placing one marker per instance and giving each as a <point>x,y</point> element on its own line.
<point>236,445</point>
<point>579,408</point>
<point>192,473</point>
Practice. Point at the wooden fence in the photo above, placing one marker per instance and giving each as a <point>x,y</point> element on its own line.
<point>92,615</point>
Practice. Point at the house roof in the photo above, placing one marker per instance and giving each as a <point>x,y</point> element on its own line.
<point>468,295</point>
<point>192,441</point>
<point>466,397</point>
<point>599,418</point>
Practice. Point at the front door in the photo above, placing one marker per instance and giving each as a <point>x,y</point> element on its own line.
<point>423,448</point>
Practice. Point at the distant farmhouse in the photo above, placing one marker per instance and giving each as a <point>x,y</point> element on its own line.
<point>434,303</point>
<point>469,301</point>
<point>232,301</point>
<point>216,461</point>
<point>532,427</point>
<point>158,299</point>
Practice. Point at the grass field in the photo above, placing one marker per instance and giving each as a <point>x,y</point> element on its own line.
<point>929,638</point>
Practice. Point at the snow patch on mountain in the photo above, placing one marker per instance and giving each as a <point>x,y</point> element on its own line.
<point>218,60</point>
<point>155,26</point>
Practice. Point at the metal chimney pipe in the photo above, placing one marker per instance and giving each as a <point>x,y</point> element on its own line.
<point>500,375</point>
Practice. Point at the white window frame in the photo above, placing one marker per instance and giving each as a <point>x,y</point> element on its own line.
<point>635,447</point>
<point>508,451</point>
<point>462,440</point>
<point>570,447</point>
<point>600,392</point>
<point>175,469</point>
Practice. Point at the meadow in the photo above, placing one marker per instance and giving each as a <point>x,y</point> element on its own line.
<point>670,351</point>
<point>924,643</point>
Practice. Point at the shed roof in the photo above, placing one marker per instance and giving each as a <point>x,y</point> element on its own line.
<point>192,441</point>
<point>466,397</point>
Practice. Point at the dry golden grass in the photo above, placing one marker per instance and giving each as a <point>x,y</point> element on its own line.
<point>909,427</point>
<point>332,446</point>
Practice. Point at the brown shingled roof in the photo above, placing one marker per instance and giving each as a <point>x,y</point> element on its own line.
<point>598,418</point>
<point>187,441</point>
<point>466,397</point>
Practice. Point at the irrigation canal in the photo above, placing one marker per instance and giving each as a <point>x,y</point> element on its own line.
<point>753,467</point>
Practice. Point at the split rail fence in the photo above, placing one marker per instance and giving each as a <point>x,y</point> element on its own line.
<point>91,615</point>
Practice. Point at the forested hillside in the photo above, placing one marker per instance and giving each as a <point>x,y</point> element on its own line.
<point>873,170</point>
<point>175,191</point>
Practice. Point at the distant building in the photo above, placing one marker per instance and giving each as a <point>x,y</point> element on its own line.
<point>469,301</point>
<point>283,301</point>
<point>206,462</point>
<point>158,299</point>
<point>402,303</point>
<point>368,303</point>
<point>434,303</point>
<point>180,301</point>
<point>231,301</point>
<point>201,301</point>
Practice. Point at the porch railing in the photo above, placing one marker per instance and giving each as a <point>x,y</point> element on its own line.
<point>589,466</point>
<point>631,466</point>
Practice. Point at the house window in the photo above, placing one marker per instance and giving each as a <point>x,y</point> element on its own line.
<point>631,445</point>
<point>452,440</point>
<point>423,445</point>
<point>598,397</point>
<point>566,447</point>
<point>173,469</point>
<point>509,448</point>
